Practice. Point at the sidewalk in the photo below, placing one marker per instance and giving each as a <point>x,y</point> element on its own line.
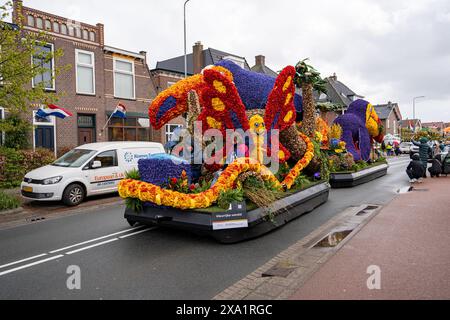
<point>409,240</point>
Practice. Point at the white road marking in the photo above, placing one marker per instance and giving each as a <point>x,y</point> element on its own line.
<point>30,265</point>
<point>74,251</point>
<point>93,246</point>
<point>93,240</point>
<point>24,260</point>
<point>136,233</point>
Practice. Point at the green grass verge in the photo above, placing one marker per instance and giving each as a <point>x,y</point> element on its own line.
<point>8,202</point>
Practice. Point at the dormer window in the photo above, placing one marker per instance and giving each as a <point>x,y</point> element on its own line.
<point>85,34</point>
<point>56,27</point>
<point>92,36</point>
<point>63,29</point>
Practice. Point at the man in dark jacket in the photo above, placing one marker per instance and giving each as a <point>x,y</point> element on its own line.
<point>436,168</point>
<point>424,153</point>
<point>415,169</point>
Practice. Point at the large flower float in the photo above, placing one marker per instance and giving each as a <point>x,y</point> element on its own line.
<point>226,98</point>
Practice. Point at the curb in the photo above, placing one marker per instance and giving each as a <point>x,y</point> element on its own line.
<point>11,212</point>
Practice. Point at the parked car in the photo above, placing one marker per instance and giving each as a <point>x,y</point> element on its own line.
<point>405,147</point>
<point>88,170</point>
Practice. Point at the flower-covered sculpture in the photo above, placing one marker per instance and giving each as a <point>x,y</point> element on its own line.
<point>227,97</point>
<point>360,127</point>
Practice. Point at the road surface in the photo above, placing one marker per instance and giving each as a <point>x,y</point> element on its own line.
<point>118,262</point>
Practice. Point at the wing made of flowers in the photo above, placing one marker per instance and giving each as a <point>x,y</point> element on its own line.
<point>222,106</point>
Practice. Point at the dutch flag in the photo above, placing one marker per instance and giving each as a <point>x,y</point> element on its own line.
<point>120,111</point>
<point>55,111</point>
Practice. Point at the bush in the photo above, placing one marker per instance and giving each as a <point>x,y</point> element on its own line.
<point>15,164</point>
<point>17,132</point>
<point>8,202</point>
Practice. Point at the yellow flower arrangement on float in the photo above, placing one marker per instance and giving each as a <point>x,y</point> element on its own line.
<point>147,192</point>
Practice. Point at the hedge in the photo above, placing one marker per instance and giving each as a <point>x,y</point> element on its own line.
<point>15,164</point>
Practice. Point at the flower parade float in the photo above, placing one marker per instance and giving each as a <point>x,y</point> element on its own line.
<point>247,186</point>
<point>351,158</point>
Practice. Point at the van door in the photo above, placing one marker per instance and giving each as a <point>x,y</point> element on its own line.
<point>106,178</point>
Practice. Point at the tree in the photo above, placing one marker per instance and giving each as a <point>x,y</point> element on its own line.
<point>308,79</point>
<point>18,48</point>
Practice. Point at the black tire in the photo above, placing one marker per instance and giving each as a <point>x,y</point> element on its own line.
<point>73,195</point>
<point>132,223</point>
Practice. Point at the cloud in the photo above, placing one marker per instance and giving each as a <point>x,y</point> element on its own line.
<point>385,50</point>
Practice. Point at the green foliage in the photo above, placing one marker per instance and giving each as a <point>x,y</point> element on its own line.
<point>306,74</point>
<point>301,182</point>
<point>14,164</point>
<point>134,204</point>
<point>202,186</point>
<point>429,134</point>
<point>329,107</point>
<point>133,174</point>
<point>16,69</point>
<point>360,165</point>
<point>226,198</point>
<point>324,164</point>
<point>8,202</point>
<point>17,131</point>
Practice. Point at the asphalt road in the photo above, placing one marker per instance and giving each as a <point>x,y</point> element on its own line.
<point>119,263</point>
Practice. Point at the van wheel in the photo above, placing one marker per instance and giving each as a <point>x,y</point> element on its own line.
<point>73,195</point>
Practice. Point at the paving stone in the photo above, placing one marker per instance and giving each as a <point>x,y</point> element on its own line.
<point>270,290</point>
<point>257,297</point>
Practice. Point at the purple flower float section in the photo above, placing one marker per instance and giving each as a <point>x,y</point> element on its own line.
<point>354,130</point>
<point>159,168</point>
<point>254,88</point>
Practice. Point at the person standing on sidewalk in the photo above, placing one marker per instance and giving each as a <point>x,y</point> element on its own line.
<point>424,153</point>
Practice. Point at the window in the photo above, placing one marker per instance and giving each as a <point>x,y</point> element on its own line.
<point>30,21</point>
<point>48,25</point>
<point>129,129</point>
<point>78,32</point>
<point>85,72</point>
<point>92,36</point>
<point>108,159</point>
<point>170,130</point>
<point>56,27</point>
<point>388,123</point>
<point>170,83</point>
<point>42,59</point>
<point>39,23</point>
<point>71,31</point>
<point>124,82</point>
<point>85,34</point>
<point>63,29</point>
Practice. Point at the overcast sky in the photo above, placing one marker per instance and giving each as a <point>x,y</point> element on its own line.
<point>385,50</point>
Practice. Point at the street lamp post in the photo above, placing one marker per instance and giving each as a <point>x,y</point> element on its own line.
<point>414,110</point>
<point>185,45</point>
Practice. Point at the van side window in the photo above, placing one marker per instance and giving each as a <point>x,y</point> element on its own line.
<point>108,159</point>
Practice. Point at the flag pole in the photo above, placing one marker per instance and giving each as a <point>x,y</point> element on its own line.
<point>107,122</point>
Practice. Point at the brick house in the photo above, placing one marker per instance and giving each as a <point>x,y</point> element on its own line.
<point>339,95</point>
<point>391,116</point>
<point>437,127</point>
<point>99,78</point>
<point>170,71</point>
<point>410,124</point>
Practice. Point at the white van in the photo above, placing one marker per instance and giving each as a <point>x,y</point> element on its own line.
<point>88,170</point>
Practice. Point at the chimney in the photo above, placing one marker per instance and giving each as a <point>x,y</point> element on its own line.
<point>101,36</point>
<point>198,58</point>
<point>144,53</point>
<point>334,77</point>
<point>260,60</point>
<point>17,12</point>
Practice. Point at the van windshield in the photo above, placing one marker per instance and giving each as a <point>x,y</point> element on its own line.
<point>74,159</point>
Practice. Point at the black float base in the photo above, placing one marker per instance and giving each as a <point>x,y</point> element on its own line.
<point>259,221</point>
<point>349,180</point>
